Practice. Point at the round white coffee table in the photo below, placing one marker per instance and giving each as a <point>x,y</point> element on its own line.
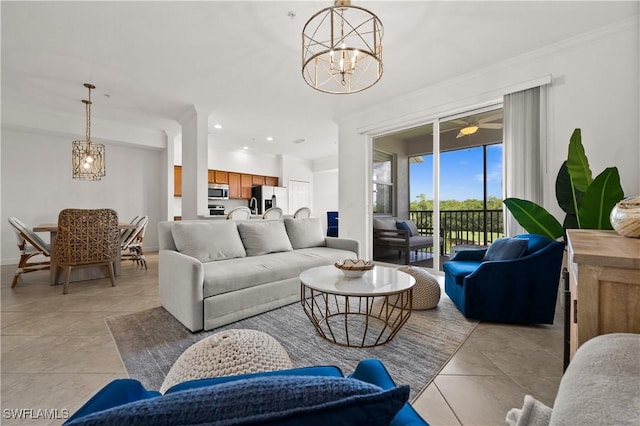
<point>357,312</point>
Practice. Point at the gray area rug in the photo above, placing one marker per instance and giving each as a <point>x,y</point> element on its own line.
<point>150,341</point>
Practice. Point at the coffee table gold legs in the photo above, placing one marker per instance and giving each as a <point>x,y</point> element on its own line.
<point>356,321</point>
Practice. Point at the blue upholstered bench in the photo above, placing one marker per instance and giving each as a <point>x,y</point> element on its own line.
<point>318,395</point>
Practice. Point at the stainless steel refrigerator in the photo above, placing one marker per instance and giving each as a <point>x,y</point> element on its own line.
<point>271,196</point>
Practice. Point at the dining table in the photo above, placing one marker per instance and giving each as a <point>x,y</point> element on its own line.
<point>85,273</point>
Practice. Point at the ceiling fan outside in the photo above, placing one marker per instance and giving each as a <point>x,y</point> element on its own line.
<point>471,127</point>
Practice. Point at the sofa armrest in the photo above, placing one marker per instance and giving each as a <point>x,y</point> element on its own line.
<point>344,244</point>
<point>181,281</point>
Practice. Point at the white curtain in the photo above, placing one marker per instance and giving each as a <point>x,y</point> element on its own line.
<point>524,148</point>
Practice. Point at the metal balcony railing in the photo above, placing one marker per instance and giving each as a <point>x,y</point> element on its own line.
<point>477,227</point>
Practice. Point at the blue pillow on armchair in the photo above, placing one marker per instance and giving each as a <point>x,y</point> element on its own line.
<point>272,400</point>
<point>505,249</point>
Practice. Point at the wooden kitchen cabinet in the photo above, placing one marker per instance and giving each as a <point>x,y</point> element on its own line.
<point>234,185</point>
<point>177,181</point>
<point>604,277</point>
<point>271,180</point>
<point>218,176</point>
<point>258,180</point>
<point>246,182</point>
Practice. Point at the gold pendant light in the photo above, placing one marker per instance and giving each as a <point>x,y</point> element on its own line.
<point>87,157</point>
<point>342,49</point>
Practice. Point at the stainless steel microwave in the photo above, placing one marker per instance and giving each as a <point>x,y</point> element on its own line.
<point>218,191</point>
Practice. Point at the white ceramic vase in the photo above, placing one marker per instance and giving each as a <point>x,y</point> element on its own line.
<point>625,217</point>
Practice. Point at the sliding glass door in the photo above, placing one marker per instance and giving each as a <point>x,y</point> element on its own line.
<point>449,181</point>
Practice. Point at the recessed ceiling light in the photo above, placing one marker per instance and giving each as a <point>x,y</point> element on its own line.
<point>245,147</point>
<point>217,126</point>
<point>269,138</point>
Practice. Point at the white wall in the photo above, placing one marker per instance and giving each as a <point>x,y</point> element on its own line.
<point>595,87</point>
<point>36,184</point>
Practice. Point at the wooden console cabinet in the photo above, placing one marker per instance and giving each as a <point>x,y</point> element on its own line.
<point>604,274</point>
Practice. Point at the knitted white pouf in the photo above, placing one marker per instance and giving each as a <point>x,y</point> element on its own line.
<point>228,353</point>
<point>426,292</point>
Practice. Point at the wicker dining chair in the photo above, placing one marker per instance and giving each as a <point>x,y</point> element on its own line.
<point>272,213</point>
<point>86,237</point>
<point>131,245</point>
<point>30,245</point>
<point>302,212</point>
<point>239,213</point>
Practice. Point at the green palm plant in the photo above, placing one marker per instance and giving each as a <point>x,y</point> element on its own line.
<point>587,202</point>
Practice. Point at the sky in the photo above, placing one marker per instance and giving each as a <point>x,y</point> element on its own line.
<point>460,174</point>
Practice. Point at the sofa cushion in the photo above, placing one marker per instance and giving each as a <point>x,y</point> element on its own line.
<point>282,400</point>
<point>505,249</point>
<point>304,233</point>
<point>208,241</point>
<point>235,274</point>
<point>262,237</point>
<point>384,223</point>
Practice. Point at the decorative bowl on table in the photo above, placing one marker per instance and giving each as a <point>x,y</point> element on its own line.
<point>354,268</point>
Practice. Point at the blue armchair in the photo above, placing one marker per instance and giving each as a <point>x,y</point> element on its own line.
<point>521,290</point>
<point>317,395</point>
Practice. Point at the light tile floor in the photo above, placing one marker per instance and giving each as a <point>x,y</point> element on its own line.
<point>56,352</point>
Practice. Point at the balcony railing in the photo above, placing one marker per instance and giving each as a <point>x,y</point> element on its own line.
<point>478,227</point>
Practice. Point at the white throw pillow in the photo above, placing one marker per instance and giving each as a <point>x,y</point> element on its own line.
<point>262,237</point>
<point>305,233</point>
<point>208,241</point>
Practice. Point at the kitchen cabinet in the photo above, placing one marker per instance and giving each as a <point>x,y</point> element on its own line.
<point>271,180</point>
<point>604,279</point>
<point>246,182</point>
<point>234,185</point>
<point>177,181</point>
<point>218,176</point>
<point>258,180</point>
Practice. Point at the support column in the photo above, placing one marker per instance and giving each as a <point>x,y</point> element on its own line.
<point>195,136</point>
<point>168,161</point>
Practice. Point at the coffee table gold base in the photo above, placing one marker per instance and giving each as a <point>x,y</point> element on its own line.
<point>356,321</point>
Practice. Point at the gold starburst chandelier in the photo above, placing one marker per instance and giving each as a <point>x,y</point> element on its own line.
<point>342,49</point>
<point>87,157</point>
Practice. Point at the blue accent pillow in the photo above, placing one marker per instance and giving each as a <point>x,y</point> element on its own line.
<point>505,249</point>
<point>275,400</point>
<point>404,227</point>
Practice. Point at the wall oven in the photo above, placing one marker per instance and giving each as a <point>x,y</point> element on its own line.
<point>218,191</point>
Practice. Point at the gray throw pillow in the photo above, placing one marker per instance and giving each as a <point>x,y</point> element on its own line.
<point>304,233</point>
<point>505,249</point>
<point>208,240</point>
<point>384,223</point>
<point>262,237</point>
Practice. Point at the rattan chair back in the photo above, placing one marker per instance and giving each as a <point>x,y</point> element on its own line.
<point>87,236</point>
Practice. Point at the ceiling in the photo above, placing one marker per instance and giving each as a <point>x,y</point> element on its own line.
<point>152,61</point>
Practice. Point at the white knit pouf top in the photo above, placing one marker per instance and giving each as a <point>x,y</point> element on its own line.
<point>228,353</point>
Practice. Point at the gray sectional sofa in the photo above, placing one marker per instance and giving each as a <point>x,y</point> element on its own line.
<point>212,273</point>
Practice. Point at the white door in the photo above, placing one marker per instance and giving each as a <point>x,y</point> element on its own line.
<point>299,195</point>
